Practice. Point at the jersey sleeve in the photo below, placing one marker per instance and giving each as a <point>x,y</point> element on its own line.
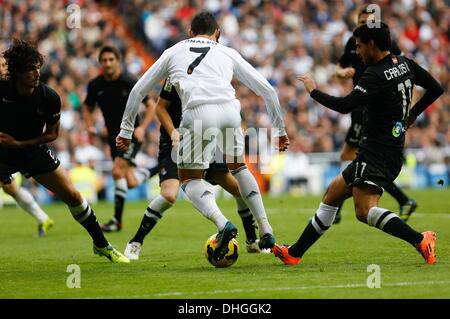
<point>156,73</point>
<point>251,78</point>
<point>346,58</point>
<point>53,103</point>
<point>424,79</point>
<point>168,91</point>
<point>363,92</point>
<point>91,97</point>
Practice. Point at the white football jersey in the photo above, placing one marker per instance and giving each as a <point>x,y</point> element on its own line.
<point>201,71</point>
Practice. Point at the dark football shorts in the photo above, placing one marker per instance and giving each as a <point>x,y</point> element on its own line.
<point>30,162</point>
<point>130,154</point>
<point>376,166</point>
<point>168,168</point>
<point>355,131</point>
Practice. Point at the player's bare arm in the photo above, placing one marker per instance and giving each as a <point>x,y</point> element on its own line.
<point>139,132</point>
<point>166,120</point>
<point>50,134</point>
<point>88,121</point>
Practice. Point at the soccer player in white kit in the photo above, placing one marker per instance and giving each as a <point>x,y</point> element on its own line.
<point>201,70</point>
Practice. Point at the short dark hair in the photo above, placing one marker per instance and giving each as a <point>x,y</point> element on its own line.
<point>379,33</point>
<point>365,10</point>
<point>109,48</point>
<point>204,23</point>
<point>21,56</point>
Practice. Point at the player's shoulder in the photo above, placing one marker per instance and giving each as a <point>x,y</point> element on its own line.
<point>48,93</point>
<point>96,82</point>
<point>128,77</point>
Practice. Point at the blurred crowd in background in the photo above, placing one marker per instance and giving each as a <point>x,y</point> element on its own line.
<point>282,39</point>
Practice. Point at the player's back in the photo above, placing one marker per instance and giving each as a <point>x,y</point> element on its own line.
<point>391,81</point>
<point>201,71</point>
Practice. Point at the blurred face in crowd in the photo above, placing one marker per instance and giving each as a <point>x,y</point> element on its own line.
<point>30,77</point>
<point>110,64</point>
<point>3,67</point>
<point>363,17</point>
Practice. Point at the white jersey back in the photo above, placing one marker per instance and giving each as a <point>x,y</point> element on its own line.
<point>201,71</point>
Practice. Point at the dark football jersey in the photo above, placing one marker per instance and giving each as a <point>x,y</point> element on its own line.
<point>24,117</point>
<point>352,59</point>
<point>111,97</point>
<point>169,93</point>
<point>385,91</point>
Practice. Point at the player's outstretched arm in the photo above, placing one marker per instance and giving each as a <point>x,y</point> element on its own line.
<point>251,78</point>
<point>361,93</point>
<point>151,77</point>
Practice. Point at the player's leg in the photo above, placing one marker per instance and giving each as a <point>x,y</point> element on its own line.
<point>348,154</point>
<point>26,201</point>
<point>136,175</point>
<point>154,212</point>
<point>407,205</point>
<point>60,184</point>
<point>229,183</point>
<point>367,211</point>
<point>337,192</point>
<point>119,169</point>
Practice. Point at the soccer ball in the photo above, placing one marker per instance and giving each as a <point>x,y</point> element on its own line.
<point>230,257</point>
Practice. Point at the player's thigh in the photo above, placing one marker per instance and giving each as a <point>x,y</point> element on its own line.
<point>348,152</point>
<point>169,189</point>
<point>188,174</point>
<point>337,192</point>
<point>60,184</point>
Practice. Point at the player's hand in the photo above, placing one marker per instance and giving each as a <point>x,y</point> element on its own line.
<point>410,119</point>
<point>309,83</point>
<point>92,130</point>
<point>139,132</point>
<point>122,143</point>
<point>175,136</point>
<point>346,73</point>
<point>8,141</point>
<point>283,143</point>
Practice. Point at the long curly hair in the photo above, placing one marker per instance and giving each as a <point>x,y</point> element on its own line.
<point>21,56</point>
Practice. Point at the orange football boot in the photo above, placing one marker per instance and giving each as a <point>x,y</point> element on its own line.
<point>282,252</point>
<point>427,247</point>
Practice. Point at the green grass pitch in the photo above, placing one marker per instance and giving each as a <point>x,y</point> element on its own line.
<point>172,263</point>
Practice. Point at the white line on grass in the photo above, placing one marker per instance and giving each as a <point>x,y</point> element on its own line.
<point>345,286</point>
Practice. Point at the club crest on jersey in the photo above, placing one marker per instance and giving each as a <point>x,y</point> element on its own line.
<point>398,129</point>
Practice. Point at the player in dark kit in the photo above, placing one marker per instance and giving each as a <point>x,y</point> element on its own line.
<point>27,107</point>
<point>110,92</point>
<point>351,66</point>
<point>168,178</point>
<point>385,91</point>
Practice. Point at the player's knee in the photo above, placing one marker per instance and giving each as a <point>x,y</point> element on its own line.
<point>117,173</point>
<point>170,197</point>
<point>361,212</point>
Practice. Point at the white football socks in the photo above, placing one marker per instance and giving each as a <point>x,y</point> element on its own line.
<point>201,194</point>
<point>25,200</point>
<point>250,194</point>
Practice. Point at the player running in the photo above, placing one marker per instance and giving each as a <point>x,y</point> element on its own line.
<point>110,92</point>
<point>30,118</point>
<point>217,173</point>
<point>20,194</point>
<point>385,91</point>
<point>201,70</point>
<point>350,65</point>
